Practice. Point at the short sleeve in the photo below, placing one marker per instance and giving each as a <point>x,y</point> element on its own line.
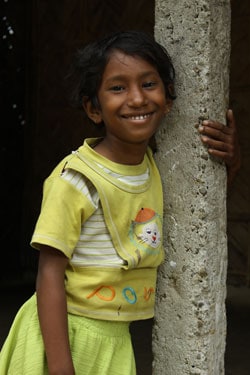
<point>64,210</point>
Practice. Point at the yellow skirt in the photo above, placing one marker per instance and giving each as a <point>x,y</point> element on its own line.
<point>97,347</point>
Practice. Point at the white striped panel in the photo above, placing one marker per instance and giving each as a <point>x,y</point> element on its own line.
<point>95,247</point>
<point>82,184</point>
<point>129,180</point>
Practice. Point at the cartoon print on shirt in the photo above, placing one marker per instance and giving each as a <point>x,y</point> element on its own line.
<point>150,234</point>
<point>145,231</point>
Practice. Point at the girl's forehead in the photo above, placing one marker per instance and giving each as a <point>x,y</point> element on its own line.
<point>127,64</point>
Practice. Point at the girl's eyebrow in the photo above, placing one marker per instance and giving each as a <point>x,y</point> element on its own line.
<point>120,77</point>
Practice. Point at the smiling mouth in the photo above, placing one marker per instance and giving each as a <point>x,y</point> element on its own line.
<point>138,117</point>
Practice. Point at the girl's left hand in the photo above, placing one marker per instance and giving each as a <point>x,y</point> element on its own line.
<point>222,142</point>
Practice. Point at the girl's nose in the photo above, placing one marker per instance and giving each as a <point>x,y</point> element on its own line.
<point>137,97</point>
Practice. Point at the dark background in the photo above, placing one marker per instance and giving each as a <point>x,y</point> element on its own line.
<point>39,127</point>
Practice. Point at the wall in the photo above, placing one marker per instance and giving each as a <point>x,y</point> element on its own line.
<point>239,194</point>
<point>190,326</point>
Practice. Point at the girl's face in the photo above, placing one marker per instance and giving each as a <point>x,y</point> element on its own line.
<point>132,100</point>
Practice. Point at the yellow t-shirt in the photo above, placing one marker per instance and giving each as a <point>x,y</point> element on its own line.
<point>114,282</point>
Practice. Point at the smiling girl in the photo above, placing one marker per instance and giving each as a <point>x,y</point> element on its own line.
<point>99,232</point>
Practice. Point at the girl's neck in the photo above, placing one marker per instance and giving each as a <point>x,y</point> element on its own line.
<point>123,153</point>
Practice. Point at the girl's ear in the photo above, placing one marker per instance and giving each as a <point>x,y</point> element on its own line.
<point>93,113</point>
<point>169,104</point>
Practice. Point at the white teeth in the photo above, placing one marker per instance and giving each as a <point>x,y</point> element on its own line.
<point>141,117</point>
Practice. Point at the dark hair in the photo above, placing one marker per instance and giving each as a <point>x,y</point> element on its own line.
<point>90,62</point>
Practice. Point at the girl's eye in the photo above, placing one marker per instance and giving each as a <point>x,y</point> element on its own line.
<point>149,84</point>
<point>117,88</point>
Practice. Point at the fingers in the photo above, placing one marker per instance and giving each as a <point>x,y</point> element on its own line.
<point>230,119</point>
<point>215,144</point>
<point>216,129</point>
<point>219,138</point>
<point>222,140</point>
<point>216,135</point>
<point>225,155</point>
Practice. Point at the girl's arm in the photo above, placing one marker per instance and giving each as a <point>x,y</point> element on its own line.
<point>52,310</point>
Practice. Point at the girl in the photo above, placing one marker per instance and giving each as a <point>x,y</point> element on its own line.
<point>99,232</point>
